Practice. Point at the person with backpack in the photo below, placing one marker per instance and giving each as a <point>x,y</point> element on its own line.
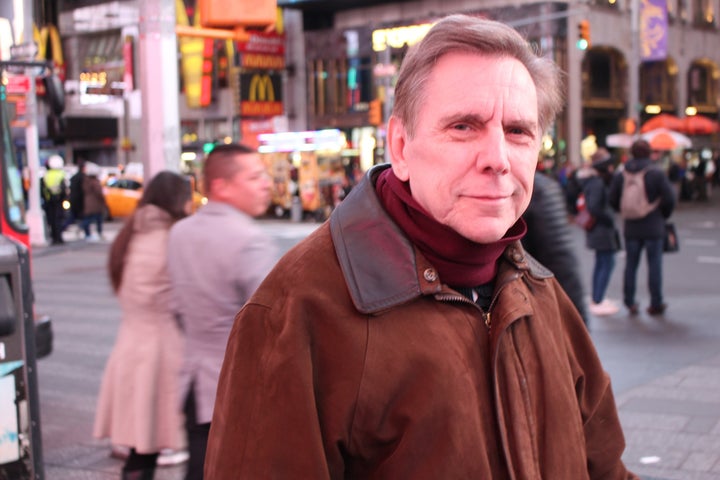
<point>644,197</point>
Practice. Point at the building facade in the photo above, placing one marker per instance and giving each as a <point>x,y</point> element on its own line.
<point>349,60</point>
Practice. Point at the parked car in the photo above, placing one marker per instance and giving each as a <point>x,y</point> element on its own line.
<point>123,193</point>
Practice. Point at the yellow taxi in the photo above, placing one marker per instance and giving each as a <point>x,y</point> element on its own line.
<point>122,195</point>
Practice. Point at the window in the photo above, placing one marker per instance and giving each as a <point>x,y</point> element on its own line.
<point>704,13</point>
<point>603,71</point>
<point>14,199</point>
<point>658,84</point>
<point>702,83</point>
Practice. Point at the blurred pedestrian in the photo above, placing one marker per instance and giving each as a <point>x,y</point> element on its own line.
<point>549,238</point>
<point>603,236</point>
<point>53,189</point>
<point>137,405</point>
<point>411,336</point>
<point>94,205</point>
<point>77,197</point>
<point>648,231</point>
<point>217,257</point>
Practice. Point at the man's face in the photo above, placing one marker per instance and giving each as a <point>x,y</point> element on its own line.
<point>471,162</point>
<point>249,189</point>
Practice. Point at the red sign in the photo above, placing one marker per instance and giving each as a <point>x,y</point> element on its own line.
<point>20,107</point>
<point>18,84</point>
<point>269,43</point>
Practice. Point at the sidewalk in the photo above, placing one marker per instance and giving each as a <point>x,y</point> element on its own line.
<point>672,424</point>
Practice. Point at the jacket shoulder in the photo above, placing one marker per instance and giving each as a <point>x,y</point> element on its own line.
<point>537,269</point>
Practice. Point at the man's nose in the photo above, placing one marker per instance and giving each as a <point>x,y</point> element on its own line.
<point>493,152</point>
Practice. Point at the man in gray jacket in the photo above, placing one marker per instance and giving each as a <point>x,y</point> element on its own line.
<point>207,294</point>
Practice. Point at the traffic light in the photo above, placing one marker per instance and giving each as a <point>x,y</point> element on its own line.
<point>583,42</point>
<point>208,147</point>
<point>375,113</point>
<point>629,126</point>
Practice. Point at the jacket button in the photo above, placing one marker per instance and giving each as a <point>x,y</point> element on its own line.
<point>430,274</point>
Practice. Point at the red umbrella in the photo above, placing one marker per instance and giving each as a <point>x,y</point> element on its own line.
<point>662,120</point>
<point>664,139</point>
<point>699,125</point>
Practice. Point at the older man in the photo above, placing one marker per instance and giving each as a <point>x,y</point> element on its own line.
<point>411,337</point>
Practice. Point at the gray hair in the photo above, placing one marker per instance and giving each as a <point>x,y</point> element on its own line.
<point>463,33</point>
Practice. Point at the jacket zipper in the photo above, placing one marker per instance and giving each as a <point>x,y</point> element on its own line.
<point>486,315</point>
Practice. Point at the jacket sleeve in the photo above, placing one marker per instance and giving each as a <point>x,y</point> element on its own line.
<point>616,191</point>
<point>258,255</point>
<point>604,437</point>
<point>667,196</point>
<point>265,423</point>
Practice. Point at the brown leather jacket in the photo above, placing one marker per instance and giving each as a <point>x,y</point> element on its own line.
<point>353,360</point>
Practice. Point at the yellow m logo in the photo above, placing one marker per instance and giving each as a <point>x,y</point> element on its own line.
<point>261,88</point>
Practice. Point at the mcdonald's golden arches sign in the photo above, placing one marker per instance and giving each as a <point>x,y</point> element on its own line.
<point>260,93</point>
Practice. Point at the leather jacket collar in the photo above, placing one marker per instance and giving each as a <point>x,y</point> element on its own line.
<point>381,267</point>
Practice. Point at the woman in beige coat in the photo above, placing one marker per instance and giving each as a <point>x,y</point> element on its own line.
<point>138,399</point>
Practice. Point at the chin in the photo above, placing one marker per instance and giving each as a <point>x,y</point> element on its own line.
<point>483,232</point>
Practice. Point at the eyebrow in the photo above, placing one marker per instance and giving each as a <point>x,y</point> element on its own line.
<point>475,119</point>
<point>462,118</point>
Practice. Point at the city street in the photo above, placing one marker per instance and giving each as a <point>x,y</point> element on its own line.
<point>665,370</point>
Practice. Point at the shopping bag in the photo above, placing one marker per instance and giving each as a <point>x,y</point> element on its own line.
<point>671,243</point>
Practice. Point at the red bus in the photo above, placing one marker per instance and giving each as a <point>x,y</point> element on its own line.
<point>24,336</point>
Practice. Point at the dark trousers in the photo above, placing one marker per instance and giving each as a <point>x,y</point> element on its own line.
<point>604,265</point>
<point>95,218</point>
<point>139,466</point>
<point>197,437</point>
<point>654,253</point>
<point>55,217</point>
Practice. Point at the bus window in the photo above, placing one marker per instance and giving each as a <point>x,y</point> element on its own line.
<point>13,197</point>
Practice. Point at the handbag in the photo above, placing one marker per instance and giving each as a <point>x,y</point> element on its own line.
<point>585,220</point>
<point>671,243</point>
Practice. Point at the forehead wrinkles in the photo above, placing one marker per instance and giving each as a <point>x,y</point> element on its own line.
<point>500,91</point>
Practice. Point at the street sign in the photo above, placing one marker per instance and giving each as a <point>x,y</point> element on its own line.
<point>24,51</point>
<point>17,84</point>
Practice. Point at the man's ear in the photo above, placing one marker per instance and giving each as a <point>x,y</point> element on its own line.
<point>396,139</point>
<point>217,188</point>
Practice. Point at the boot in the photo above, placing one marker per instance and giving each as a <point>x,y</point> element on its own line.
<point>145,474</point>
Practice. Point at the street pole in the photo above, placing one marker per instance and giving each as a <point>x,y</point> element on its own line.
<point>634,63</point>
<point>389,99</point>
<point>34,215</point>
<point>159,86</point>
<point>574,96</point>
